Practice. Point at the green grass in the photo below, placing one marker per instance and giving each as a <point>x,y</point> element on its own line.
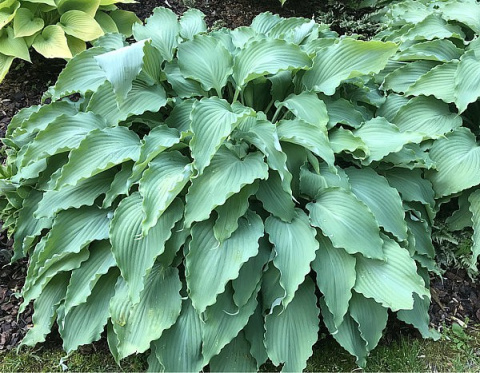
<point>457,351</point>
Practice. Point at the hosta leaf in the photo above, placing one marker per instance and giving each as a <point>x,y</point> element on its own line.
<point>121,66</point>
<point>99,151</point>
<point>80,25</point>
<point>275,199</point>
<point>441,50</point>
<point>393,103</point>
<point>83,194</point>
<point>466,12</point>
<point>268,56</point>
<point>212,121</point>
<point>234,357</point>
<point>456,158</point>
<point>182,86</point>
<point>371,318</point>
<point>12,46</point>
<point>402,78</point>
<point>420,235</point>
<point>291,333</point>
<point>165,177</point>
<point>106,22</point>
<point>8,11</point>
<point>382,138</point>
<point>207,61</point>
<point>119,185</point>
<point>134,253</point>
<point>467,88</point>
<point>83,279</point>
<point>391,282</point>
<point>62,134</point>
<point>5,63</point>
<point>158,140</point>
<point>347,59</point>
<point>383,200</point>
<point>227,258</point>
<point>163,28</point>
<point>295,246</point>
<point>461,218</point>
<point>347,334</point>
<point>180,347</point>
<point>124,21</point>
<point>434,27</point>
<point>344,112</point>
<point>336,277</point>
<point>88,6</point>
<point>84,323</point>
<point>427,116</point>
<point>192,23</point>
<point>45,309</point>
<point>264,22</point>
<point>474,200</point>
<point>136,325</point>
<point>308,107</point>
<point>26,24</point>
<point>223,321</point>
<point>229,213</point>
<point>419,317</point>
<point>347,222</point>
<point>342,140</point>
<point>226,175</point>
<point>302,133</point>
<point>180,116</point>
<point>438,82</point>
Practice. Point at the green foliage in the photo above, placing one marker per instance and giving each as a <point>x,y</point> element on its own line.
<point>57,28</point>
<point>203,181</point>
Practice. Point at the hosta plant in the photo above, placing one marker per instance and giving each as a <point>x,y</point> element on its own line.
<point>210,197</point>
<point>56,28</point>
<point>438,63</point>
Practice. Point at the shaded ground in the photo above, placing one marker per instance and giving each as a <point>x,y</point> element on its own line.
<point>454,297</point>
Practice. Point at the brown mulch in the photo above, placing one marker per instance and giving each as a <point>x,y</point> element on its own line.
<point>455,298</point>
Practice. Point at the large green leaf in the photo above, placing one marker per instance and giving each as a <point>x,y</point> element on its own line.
<point>419,317</point>
<point>308,107</point>
<point>467,88</point>
<point>12,46</point>
<point>213,120</point>
<point>134,252</point>
<point>163,28</point>
<point>164,179</point>
<point>268,56</point>
<point>428,116</point>
<point>227,258</point>
<point>391,282</point>
<point>291,333</point>
<point>402,78</point>
<point>456,158</point>
<point>347,222</point>
<point>88,6</point>
<point>207,61</point>
<point>99,151</point>
<point>192,23</point>
<point>180,347</point>
<point>474,200</point>
<point>80,25</point>
<point>234,357</point>
<point>441,50</point>
<point>294,246</point>
<point>84,323</point>
<point>226,175</point>
<point>383,200</point>
<point>411,185</point>
<point>336,277</point>
<point>136,325</point>
<point>346,59</point>
<point>464,11</point>
<point>8,11</point>
<point>275,199</point>
<point>26,24</point>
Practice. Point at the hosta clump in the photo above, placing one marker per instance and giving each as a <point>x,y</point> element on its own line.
<point>188,199</point>
<point>438,63</point>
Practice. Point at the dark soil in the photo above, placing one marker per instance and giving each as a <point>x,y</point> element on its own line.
<point>455,298</point>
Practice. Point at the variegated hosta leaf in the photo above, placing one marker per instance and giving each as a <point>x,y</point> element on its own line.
<point>227,258</point>
<point>223,321</point>
<point>180,347</point>
<point>135,253</point>
<point>136,325</point>
<point>295,246</point>
<point>268,56</point>
<point>456,158</point>
<point>291,333</point>
<point>207,61</point>
<point>213,120</point>
<point>336,277</point>
<point>85,322</point>
<point>164,179</point>
<point>383,200</point>
<point>346,59</point>
<point>391,282</point>
<point>99,151</point>
<point>347,222</point>
<point>226,176</point>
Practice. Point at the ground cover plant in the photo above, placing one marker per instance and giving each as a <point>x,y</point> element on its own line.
<point>219,185</point>
<point>56,28</point>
